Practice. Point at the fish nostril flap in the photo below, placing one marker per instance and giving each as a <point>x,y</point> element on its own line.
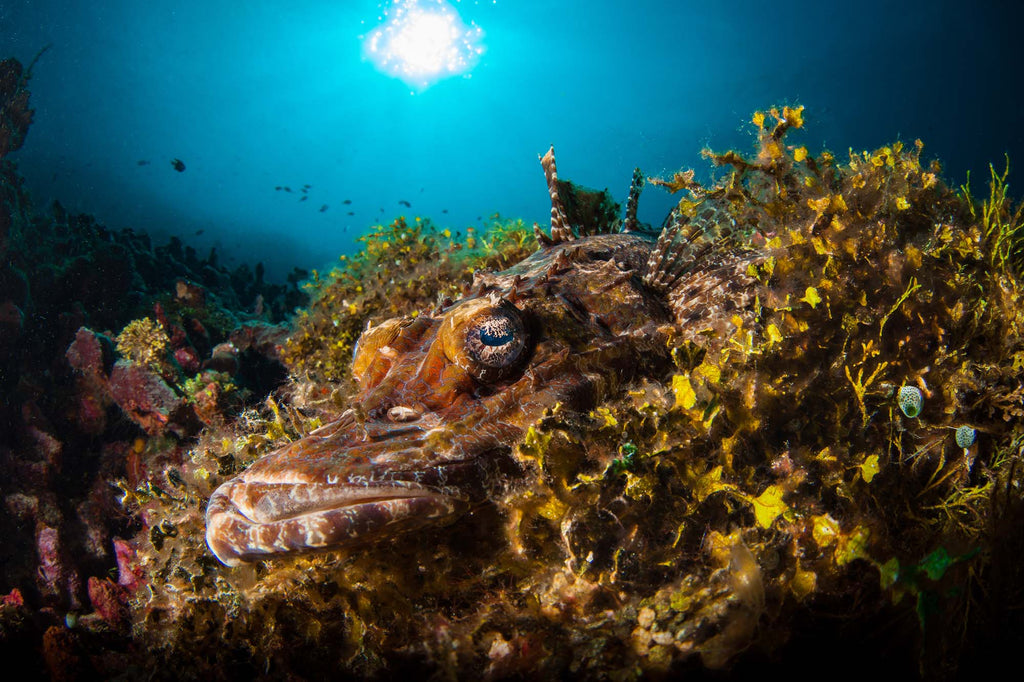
<point>403,413</point>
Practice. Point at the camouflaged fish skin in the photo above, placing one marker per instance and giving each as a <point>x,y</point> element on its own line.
<point>443,399</point>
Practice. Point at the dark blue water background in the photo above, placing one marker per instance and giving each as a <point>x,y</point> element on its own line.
<point>254,95</point>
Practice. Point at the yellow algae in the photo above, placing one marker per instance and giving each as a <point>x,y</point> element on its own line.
<point>686,397</point>
<point>811,297</point>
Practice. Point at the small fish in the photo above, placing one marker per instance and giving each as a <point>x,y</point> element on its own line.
<point>351,212</point>
<point>306,186</point>
<point>347,202</point>
<point>381,209</point>
<point>323,208</point>
<point>444,210</point>
<point>405,203</point>
<point>278,188</point>
<point>443,398</point>
<point>304,190</point>
<point>199,232</point>
<point>142,162</point>
<point>178,165</point>
<point>303,198</point>
<point>287,189</point>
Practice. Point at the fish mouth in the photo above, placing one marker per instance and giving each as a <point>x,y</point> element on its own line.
<point>248,520</point>
<point>352,482</point>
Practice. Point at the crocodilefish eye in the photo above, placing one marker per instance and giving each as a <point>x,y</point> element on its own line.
<point>486,339</point>
<point>497,339</point>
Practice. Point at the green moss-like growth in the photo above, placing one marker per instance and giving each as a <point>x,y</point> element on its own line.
<point>699,517</point>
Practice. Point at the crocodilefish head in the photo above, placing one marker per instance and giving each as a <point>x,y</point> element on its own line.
<point>442,400</point>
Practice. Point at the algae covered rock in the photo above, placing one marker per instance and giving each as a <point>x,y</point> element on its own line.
<point>767,489</point>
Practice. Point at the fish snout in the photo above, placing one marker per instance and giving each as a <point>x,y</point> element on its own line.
<point>250,519</point>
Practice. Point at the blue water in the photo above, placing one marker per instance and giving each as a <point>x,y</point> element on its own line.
<point>257,95</point>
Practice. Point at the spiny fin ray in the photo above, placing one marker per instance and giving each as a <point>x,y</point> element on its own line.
<point>632,224</point>
<point>690,256</point>
<point>560,228</point>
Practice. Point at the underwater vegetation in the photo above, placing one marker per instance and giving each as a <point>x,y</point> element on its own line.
<point>824,473</point>
<point>807,472</point>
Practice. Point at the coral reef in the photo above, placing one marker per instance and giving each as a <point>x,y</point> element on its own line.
<point>75,416</point>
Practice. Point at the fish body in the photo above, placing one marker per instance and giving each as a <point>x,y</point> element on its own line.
<point>444,398</point>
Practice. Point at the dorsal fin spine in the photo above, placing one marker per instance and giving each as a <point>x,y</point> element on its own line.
<point>632,224</point>
<point>561,231</point>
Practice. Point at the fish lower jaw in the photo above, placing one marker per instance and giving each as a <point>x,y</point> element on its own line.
<point>235,538</point>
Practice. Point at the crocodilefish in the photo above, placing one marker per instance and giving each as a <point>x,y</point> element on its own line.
<point>443,399</point>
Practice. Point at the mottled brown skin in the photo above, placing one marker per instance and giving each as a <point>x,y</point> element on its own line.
<point>444,399</point>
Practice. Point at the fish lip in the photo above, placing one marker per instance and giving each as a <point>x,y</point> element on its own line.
<point>268,502</point>
<point>313,516</point>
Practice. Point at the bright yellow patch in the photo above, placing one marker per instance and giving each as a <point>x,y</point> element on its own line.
<point>639,486</point>
<point>818,205</point>
<point>605,414</point>
<point>811,297</point>
<point>686,398</point>
<point>794,116</point>
<point>825,531</point>
<point>902,203</point>
<point>768,506</point>
<point>710,372</point>
<point>869,469</point>
<point>799,154</point>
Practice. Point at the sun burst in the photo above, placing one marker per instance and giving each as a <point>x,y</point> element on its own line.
<point>424,41</point>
